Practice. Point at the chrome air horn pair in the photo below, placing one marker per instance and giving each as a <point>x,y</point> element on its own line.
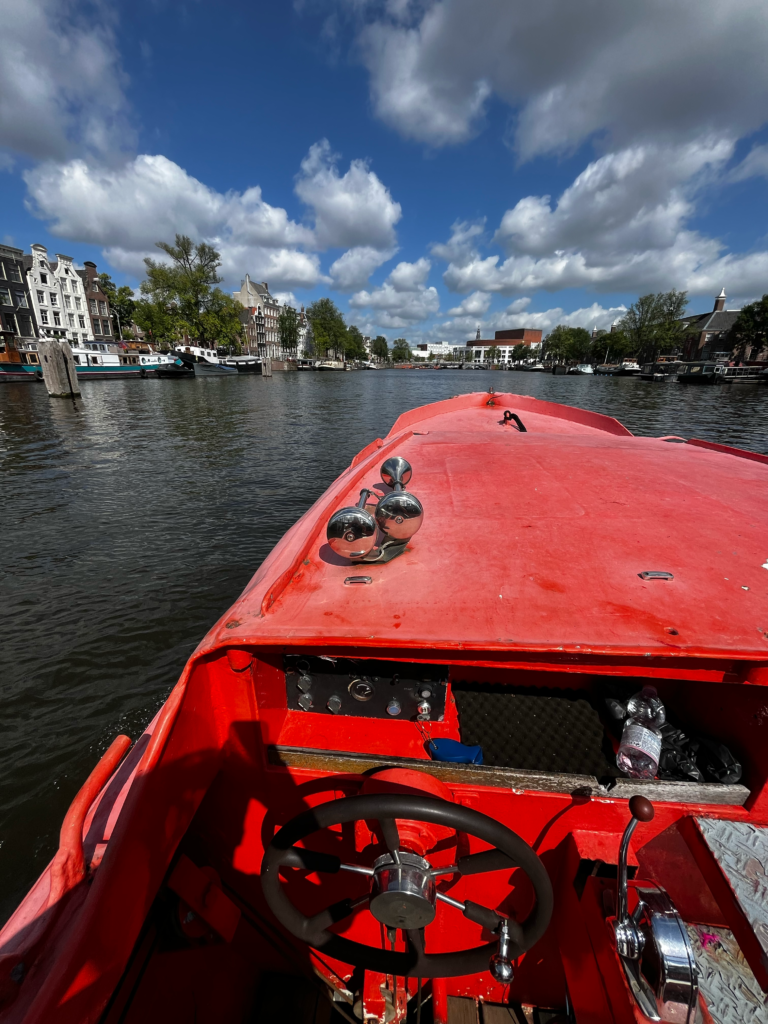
<point>351,531</point>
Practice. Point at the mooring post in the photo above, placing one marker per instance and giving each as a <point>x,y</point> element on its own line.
<point>266,366</point>
<point>58,366</point>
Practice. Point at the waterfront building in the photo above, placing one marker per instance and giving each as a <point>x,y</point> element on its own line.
<point>17,320</point>
<point>505,341</point>
<point>97,302</point>
<point>256,297</point>
<point>57,297</point>
<point>705,334</point>
<point>438,349</point>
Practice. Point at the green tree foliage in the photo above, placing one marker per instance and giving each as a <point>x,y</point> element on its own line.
<point>355,346</point>
<point>751,328</point>
<point>186,288</point>
<point>288,325</point>
<point>611,347</point>
<point>328,327</point>
<point>494,354</point>
<point>652,323</point>
<point>309,350</point>
<point>401,351</point>
<point>379,347</point>
<point>158,320</point>
<point>121,304</point>
<point>520,352</point>
<point>568,344</point>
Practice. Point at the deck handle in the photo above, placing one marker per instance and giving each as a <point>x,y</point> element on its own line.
<point>68,867</point>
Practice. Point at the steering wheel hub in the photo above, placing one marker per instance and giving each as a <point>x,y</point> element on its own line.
<point>403,895</point>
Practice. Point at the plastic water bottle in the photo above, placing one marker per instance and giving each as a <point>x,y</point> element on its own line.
<point>640,747</point>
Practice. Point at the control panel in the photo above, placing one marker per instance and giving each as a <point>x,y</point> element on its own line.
<point>365,689</point>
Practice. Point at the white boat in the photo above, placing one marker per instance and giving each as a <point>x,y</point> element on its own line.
<point>582,368</point>
<point>205,361</point>
<point>330,364</point>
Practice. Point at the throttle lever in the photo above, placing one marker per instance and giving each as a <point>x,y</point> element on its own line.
<point>629,939</point>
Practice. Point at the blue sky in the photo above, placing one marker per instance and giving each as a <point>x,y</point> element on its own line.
<point>432,165</point>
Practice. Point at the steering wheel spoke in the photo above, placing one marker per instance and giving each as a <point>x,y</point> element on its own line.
<point>391,837</point>
<point>487,860</point>
<point>332,915</point>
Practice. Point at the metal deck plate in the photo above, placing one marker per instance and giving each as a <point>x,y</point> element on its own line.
<point>726,982</point>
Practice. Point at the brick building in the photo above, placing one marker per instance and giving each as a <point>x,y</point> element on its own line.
<point>98,303</point>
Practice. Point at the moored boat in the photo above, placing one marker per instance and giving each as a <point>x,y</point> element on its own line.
<point>582,368</point>
<point>387,776</point>
<point>738,374</point>
<point>661,370</point>
<point>205,361</point>
<point>175,369</point>
<point>98,360</point>
<point>697,373</point>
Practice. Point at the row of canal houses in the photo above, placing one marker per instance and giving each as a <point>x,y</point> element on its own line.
<point>44,299</point>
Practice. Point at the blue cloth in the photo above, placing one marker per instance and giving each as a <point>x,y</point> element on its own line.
<point>455,752</point>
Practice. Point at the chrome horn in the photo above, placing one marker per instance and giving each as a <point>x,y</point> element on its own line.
<point>400,514</point>
<point>351,531</point>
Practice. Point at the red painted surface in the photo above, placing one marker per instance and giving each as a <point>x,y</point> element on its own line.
<point>525,573</point>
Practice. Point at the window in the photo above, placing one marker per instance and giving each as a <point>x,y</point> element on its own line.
<point>2,272</point>
<point>43,316</point>
<point>97,327</point>
<point>5,297</point>
<point>102,349</point>
<point>78,303</point>
<point>15,274</point>
<point>95,285</point>
<point>43,279</point>
<point>26,327</point>
<point>71,319</point>
<point>93,305</point>
<point>57,319</point>
<point>81,321</point>
<point>106,329</point>
<point>75,288</point>
<point>21,300</point>
<point>68,302</point>
<point>103,308</point>
<point>65,286</point>
<point>66,270</point>
<point>10,323</point>
<point>41,298</point>
<point>54,299</point>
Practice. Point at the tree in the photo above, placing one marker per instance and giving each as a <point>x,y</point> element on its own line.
<point>557,342</point>
<point>328,327</point>
<point>158,320</point>
<point>401,351</point>
<point>520,352</point>
<point>188,286</point>
<point>611,347</point>
<point>379,347</point>
<point>308,347</point>
<point>652,324</point>
<point>354,346</point>
<point>494,354</point>
<point>750,331</point>
<point>121,304</point>
<point>288,325</point>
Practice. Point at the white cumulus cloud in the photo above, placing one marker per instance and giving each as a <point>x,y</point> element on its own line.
<point>61,81</point>
<point>404,298</point>
<point>351,209</point>
<point>353,268</point>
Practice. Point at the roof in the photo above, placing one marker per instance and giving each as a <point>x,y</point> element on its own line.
<point>723,320</point>
<point>532,542</point>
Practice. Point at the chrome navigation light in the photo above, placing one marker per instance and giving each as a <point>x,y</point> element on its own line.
<point>351,531</point>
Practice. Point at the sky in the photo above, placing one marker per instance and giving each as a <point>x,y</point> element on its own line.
<point>434,166</point>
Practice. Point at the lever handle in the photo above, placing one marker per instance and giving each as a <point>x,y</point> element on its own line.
<point>641,808</point>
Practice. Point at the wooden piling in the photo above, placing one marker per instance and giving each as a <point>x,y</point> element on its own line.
<point>266,366</point>
<point>58,366</point>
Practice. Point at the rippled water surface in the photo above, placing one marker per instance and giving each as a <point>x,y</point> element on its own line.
<point>132,521</point>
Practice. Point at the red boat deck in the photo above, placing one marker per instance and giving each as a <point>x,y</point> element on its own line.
<point>525,578</point>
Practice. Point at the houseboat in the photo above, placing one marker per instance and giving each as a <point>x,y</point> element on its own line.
<point>386,786</point>
<point>661,370</point>
<point>99,360</point>
<point>697,373</point>
<point>18,361</point>
<point>738,374</point>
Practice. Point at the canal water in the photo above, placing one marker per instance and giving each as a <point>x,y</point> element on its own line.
<point>131,521</point>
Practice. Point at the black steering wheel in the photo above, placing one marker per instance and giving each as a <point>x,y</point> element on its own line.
<point>403,891</point>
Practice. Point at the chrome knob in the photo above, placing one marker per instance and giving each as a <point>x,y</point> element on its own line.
<point>396,472</point>
<point>351,532</point>
<point>424,709</point>
<point>334,704</point>
<point>399,515</point>
<point>305,684</point>
<point>305,702</point>
<point>501,966</point>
